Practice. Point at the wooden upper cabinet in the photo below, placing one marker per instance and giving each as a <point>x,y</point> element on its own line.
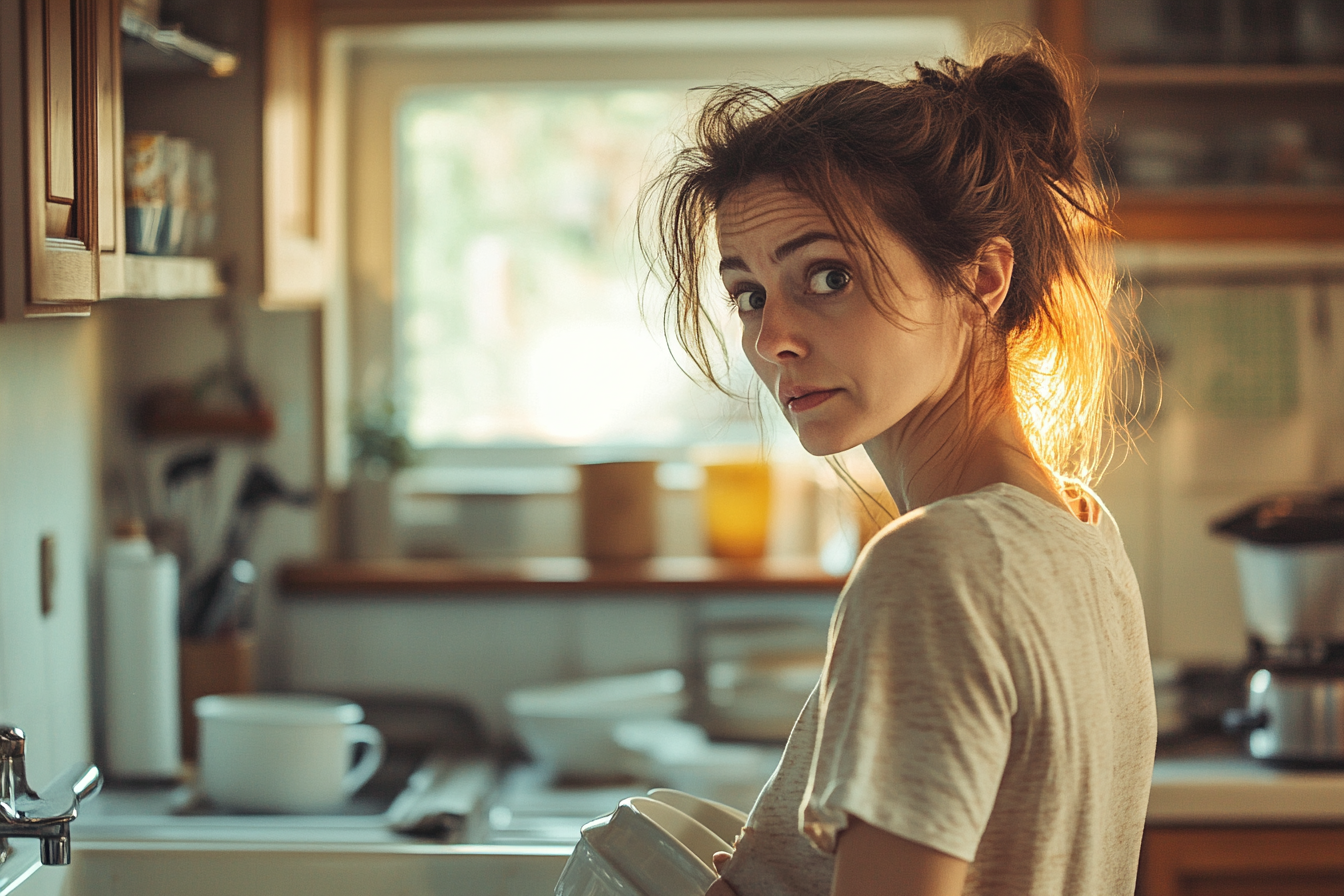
<point>62,48</point>
<point>295,248</point>
<point>1209,143</point>
<point>111,140</point>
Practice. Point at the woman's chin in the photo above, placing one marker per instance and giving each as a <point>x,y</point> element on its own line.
<point>823,444</point>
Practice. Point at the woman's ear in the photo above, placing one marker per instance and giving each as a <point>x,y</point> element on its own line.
<point>993,273</point>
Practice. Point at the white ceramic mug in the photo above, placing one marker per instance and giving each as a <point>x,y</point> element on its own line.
<point>283,752</point>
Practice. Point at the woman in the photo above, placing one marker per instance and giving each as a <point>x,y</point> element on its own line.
<point>922,268</point>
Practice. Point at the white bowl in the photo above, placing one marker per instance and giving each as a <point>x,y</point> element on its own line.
<point>569,727</point>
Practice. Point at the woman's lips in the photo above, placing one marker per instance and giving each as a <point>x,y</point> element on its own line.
<point>809,400</point>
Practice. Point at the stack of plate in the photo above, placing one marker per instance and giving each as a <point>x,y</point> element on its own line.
<point>659,845</point>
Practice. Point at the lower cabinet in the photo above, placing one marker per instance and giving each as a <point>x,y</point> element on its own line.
<point>1242,861</point>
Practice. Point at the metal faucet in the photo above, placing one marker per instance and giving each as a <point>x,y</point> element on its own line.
<point>25,814</point>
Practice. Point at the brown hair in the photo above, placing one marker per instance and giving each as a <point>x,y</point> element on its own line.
<point>948,160</point>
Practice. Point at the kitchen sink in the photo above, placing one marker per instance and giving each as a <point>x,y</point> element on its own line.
<point>131,868</point>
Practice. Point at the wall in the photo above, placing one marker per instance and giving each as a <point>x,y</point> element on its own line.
<point>49,382</point>
<point>154,342</point>
<point>1193,466</point>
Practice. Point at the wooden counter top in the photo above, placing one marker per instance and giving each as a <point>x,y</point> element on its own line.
<point>552,575</point>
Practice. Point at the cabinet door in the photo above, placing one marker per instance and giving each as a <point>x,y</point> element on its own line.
<point>111,139</point>
<point>1279,861</point>
<point>61,50</point>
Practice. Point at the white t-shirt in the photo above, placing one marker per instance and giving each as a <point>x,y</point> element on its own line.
<point>987,693</point>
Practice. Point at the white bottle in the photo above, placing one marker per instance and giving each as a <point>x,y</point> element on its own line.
<point>140,611</point>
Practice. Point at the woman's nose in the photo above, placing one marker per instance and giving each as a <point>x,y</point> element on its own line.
<point>780,337</point>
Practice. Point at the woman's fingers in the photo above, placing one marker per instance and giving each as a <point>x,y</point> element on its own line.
<point>720,888</point>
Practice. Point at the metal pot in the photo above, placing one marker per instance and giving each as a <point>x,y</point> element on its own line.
<point>1294,717</point>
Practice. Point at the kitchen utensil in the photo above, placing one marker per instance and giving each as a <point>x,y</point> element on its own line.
<point>283,752</point>
<point>218,595</point>
<point>570,727</point>
<point>230,590</point>
<point>644,848</point>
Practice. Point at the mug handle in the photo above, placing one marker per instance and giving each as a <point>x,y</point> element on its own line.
<point>369,762</point>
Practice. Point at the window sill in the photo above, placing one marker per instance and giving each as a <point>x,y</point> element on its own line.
<point>547,576</point>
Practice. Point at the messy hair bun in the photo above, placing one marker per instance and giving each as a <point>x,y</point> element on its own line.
<point>949,159</point>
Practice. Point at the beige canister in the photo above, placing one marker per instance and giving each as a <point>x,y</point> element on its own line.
<point>618,506</point>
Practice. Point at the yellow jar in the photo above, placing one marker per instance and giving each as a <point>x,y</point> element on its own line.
<point>737,509</point>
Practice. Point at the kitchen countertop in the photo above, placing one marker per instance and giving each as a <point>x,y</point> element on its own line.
<point>22,864</point>
<point>1220,790</point>
<point>532,576</point>
<point>1240,790</point>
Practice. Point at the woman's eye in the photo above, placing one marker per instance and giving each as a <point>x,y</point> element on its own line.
<point>829,280</point>
<point>750,300</point>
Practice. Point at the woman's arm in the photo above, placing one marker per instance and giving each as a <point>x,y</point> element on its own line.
<point>869,861</point>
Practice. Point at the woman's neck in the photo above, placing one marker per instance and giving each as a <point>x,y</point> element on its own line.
<point>941,450</point>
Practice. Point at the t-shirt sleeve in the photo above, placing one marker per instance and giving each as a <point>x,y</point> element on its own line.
<point>917,698</point>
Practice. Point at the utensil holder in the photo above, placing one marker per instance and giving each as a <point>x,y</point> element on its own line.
<point>219,665</point>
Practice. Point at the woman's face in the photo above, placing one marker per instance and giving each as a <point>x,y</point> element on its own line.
<point>842,371</point>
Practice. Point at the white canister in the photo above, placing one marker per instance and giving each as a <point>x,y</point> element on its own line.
<point>283,752</point>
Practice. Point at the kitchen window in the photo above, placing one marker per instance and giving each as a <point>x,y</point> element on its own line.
<point>516,318</point>
<point>494,273</point>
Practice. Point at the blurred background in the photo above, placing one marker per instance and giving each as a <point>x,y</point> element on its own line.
<point>369,324</point>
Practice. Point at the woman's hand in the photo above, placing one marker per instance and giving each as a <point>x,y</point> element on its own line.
<point>720,887</point>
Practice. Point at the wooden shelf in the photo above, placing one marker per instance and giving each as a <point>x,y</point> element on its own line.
<point>257,424</point>
<point>1241,76</point>
<point>1237,195</point>
<point>1222,215</point>
<point>1209,214</point>
<point>541,576</point>
<point>159,277</point>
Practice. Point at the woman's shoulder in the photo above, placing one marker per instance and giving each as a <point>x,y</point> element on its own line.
<point>951,528</point>
<point>970,536</point>
<point>949,540</point>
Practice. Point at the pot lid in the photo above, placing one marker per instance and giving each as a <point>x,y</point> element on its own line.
<point>1295,518</point>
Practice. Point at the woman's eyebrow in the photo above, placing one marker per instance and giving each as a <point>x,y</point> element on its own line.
<point>735,263</point>
<point>798,242</point>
